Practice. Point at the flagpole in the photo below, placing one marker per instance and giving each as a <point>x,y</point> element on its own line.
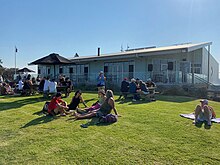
<point>15,59</point>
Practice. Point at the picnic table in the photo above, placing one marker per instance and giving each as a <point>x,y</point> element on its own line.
<point>151,95</point>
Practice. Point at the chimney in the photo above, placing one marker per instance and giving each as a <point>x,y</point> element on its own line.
<point>98,51</point>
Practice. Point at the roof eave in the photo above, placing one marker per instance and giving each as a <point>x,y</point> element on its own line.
<point>190,49</point>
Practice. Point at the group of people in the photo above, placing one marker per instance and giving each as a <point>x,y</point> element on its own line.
<point>29,85</point>
<point>105,103</point>
<point>48,86</point>
<point>6,89</point>
<point>102,107</point>
<point>137,87</point>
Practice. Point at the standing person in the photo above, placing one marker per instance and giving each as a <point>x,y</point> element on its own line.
<point>204,112</point>
<point>101,81</point>
<point>57,106</point>
<point>104,110</point>
<point>77,98</point>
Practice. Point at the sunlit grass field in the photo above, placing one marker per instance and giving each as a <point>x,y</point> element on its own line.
<point>146,133</point>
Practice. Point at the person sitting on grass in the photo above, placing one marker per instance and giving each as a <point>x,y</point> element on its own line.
<point>104,110</point>
<point>204,112</point>
<point>57,106</point>
<point>77,98</point>
<point>96,105</point>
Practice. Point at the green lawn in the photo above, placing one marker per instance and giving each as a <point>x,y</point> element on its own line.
<point>147,133</point>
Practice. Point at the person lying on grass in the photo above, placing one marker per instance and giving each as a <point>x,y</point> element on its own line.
<point>77,98</point>
<point>204,112</point>
<point>57,106</point>
<point>105,108</point>
<point>96,105</point>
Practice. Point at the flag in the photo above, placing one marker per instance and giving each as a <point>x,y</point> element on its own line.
<point>16,50</point>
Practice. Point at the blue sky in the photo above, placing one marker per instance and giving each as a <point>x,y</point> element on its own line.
<point>40,27</point>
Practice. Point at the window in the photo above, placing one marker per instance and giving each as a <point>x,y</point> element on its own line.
<point>105,69</point>
<point>131,68</point>
<point>150,67</point>
<point>86,70</point>
<point>60,70</point>
<point>48,70</point>
<point>196,68</point>
<point>71,70</point>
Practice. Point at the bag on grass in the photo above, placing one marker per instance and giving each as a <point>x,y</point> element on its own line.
<point>110,118</point>
<point>45,107</point>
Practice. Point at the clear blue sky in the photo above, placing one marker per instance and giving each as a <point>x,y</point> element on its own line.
<point>40,27</point>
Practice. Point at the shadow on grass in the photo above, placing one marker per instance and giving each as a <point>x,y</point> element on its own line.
<point>177,99</point>
<point>129,100</point>
<point>40,120</point>
<point>19,103</point>
<point>92,122</point>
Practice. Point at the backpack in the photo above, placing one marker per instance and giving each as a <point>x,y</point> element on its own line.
<point>45,107</point>
<point>110,118</point>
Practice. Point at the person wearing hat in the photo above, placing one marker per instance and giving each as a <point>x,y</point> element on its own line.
<point>204,112</point>
<point>101,81</point>
<point>57,106</point>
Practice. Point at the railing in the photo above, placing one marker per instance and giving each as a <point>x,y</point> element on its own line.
<point>158,77</point>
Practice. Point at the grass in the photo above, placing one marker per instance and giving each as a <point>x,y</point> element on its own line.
<point>147,133</point>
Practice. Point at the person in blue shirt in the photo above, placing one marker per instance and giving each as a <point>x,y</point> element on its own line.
<point>101,81</point>
<point>133,89</point>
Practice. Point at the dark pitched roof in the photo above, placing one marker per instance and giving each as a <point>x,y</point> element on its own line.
<point>51,59</point>
<point>25,70</point>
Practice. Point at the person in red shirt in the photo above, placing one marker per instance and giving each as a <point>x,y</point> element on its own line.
<point>57,106</point>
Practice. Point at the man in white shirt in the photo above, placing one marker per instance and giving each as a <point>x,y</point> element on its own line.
<point>46,85</point>
<point>53,86</point>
